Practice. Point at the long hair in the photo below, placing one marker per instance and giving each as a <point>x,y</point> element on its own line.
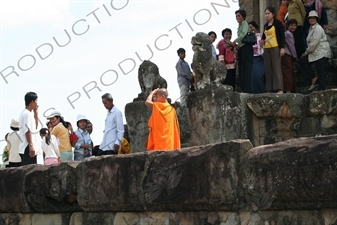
<point>65,123</point>
<point>45,132</point>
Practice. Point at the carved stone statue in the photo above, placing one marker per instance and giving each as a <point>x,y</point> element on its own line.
<point>149,79</point>
<point>208,70</point>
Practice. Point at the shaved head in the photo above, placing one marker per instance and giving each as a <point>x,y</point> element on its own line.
<point>162,91</point>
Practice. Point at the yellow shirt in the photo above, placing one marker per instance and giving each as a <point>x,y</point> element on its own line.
<point>125,147</point>
<point>62,135</point>
<point>271,40</point>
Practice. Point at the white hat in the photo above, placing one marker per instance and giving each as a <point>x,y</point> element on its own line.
<point>15,123</point>
<point>53,114</point>
<point>81,117</point>
<point>313,13</point>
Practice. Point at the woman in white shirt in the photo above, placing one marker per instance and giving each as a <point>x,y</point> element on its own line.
<point>50,147</point>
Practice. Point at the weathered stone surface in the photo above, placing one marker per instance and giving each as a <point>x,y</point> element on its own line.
<point>200,178</point>
<point>296,174</point>
<point>149,79</point>
<point>330,4</point>
<point>13,197</point>
<point>93,218</point>
<point>208,70</point>
<point>216,115</point>
<point>137,115</point>
<point>50,219</point>
<point>184,124</point>
<point>51,189</point>
<point>111,183</point>
<point>323,103</point>
<point>273,118</point>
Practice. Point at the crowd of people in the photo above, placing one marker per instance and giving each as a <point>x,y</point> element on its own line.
<point>293,35</point>
<point>58,142</point>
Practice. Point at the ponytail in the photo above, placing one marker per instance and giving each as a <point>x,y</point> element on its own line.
<point>46,133</point>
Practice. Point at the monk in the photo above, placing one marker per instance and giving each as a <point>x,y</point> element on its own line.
<point>164,133</point>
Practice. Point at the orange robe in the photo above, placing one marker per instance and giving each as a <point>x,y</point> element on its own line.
<point>164,133</point>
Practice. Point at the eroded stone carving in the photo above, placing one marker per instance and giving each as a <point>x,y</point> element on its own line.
<point>208,70</point>
<point>149,79</point>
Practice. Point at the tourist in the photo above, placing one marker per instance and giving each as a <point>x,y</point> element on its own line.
<point>245,54</point>
<point>125,147</point>
<point>318,52</point>
<point>14,142</point>
<point>5,153</point>
<point>258,71</point>
<point>89,126</point>
<point>61,130</point>
<point>50,147</point>
<point>184,76</point>
<point>163,124</point>
<point>273,40</point>
<point>296,11</point>
<point>282,14</point>
<point>212,37</point>
<point>289,57</point>
<point>83,146</point>
<point>114,128</point>
<point>28,123</point>
<point>316,5</point>
<point>227,56</point>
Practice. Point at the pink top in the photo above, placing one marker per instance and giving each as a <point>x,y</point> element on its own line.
<point>289,47</point>
<point>258,50</point>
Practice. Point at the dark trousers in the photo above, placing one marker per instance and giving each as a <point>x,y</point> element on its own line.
<point>231,78</point>
<point>300,42</point>
<point>258,76</point>
<point>321,65</point>
<point>13,164</point>
<point>107,152</point>
<point>26,159</point>
<point>245,64</point>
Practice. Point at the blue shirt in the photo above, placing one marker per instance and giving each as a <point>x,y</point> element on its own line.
<point>83,139</point>
<point>114,130</point>
<point>184,73</point>
<point>213,52</point>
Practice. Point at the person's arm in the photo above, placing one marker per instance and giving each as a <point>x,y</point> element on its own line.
<point>120,131</point>
<point>314,41</point>
<point>280,33</point>
<point>244,29</point>
<point>291,44</point>
<point>181,71</point>
<point>56,147</point>
<point>149,101</point>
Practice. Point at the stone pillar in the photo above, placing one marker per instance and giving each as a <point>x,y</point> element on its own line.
<point>216,115</point>
<point>137,115</point>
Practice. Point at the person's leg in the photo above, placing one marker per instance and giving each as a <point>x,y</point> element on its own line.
<point>247,56</point>
<point>66,156</point>
<point>183,93</point>
<point>230,78</point>
<point>277,71</point>
<point>287,71</point>
<point>27,159</point>
<point>268,69</point>
<point>305,68</point>
<point>322,72</point>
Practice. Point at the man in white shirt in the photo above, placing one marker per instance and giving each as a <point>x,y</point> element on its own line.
<point>28,123</point>
<point>114,128</point>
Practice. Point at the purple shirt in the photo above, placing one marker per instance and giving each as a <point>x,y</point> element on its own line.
<point>289,47</point>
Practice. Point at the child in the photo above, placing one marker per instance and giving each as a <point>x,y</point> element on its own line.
<point>288,58</point>
<point>50,147</point>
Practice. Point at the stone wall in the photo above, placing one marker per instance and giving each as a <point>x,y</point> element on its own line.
<point>232,183</point>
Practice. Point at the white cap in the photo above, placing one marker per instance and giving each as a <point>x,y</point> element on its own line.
<point>53,114</point>
<point>15,123</point>
<point>81,117</point>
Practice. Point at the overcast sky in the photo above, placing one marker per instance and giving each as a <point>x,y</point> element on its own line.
<point>72,52</point>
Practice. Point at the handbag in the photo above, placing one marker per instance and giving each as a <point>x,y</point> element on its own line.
<point>250,38</point>
<point>230,57</point>
<point>73,138</point>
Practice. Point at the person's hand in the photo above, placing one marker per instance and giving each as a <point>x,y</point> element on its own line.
<point>70,127</point>
<point>304,54</point>
<point>86,146</point>
<point>325,27</point>
<point>86,151</point>
<point>116,148</point>
<point>31,151</point>
<point>282,52</point>
<point>36,112</point>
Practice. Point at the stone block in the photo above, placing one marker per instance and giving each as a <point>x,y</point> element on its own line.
<point>92,218</point>
<point>216,115</point>
<point>294,174</point>
<point>53,188</point>
<point>13,197</point>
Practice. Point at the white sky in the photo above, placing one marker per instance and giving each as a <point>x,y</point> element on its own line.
<point>131,26</point>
